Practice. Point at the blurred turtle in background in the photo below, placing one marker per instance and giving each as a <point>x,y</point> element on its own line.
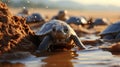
<point>35,17</point>
<point>98,22</point>
<point>77,23</point>
<point>101,21</point>
<point>77,20</point>
<point>62,15</point>
<point>24,12</point>
<point>112,32</point>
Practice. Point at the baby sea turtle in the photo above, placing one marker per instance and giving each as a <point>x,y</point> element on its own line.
<point>35,17</point>
<point>58,34</point>
<point>62,15</point>
<point>101,21</point>
<point>98,22</point>
<point>24,12</point>
<point>111,32</point>
<point>77,20</point>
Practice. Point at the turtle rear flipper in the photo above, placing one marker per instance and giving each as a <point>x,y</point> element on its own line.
<point>78,42</point>
<point>44,45</point>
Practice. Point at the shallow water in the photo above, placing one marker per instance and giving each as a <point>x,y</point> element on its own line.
<point>83,58</point>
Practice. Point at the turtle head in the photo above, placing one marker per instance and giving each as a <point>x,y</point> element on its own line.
<point>62,13</point>
<point>60,31</point>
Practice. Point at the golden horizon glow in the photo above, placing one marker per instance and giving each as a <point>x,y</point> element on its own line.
<point>96,2</point>
<point>99,2</point>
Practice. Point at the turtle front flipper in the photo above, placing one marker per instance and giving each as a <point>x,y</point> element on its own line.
<point>78,42</point>
<point>44,45</point>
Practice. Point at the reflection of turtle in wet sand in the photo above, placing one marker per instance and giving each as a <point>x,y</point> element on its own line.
<point>58,35</point>
<point>111,32</point>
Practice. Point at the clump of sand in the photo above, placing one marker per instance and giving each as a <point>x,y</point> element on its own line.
<point>15,34</point>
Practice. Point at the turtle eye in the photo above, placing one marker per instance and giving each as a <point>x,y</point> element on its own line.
<point>54,29</point>
<point>66,30</point>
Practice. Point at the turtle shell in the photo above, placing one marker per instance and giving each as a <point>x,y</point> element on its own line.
<point>114,28</point>
<point>101,21</point>
<point>77,20</point>
<point>35,17</point>
<point>38,17</point>
<point>47,27</point>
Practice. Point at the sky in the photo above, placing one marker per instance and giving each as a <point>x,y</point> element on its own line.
<point>90,2</point>
<point>99,2</point>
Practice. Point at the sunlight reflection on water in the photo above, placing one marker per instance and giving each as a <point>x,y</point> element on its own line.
<point>86,58</point>
<point>97,58</point>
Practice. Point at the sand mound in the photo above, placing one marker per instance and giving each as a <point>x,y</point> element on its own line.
<point>15,34</point>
